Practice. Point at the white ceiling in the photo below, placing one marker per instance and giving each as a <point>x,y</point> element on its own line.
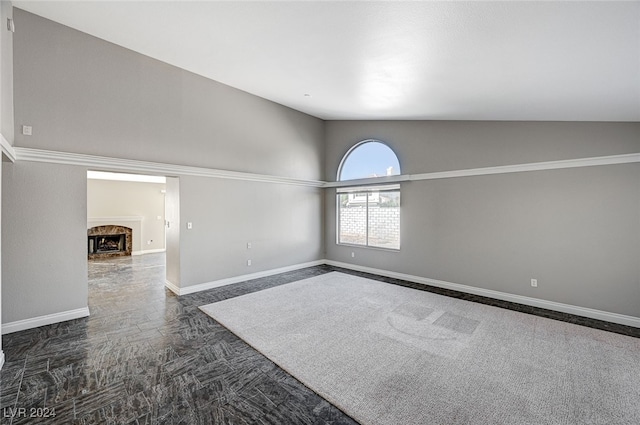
<point>559,61</point>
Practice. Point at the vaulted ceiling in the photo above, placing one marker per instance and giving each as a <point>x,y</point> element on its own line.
<point>558,61</point>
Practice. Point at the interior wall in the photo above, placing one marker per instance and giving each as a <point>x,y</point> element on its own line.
<point>44,215</point>
<point>575,230</point>
<point>432,146</point>
<point>1,319</point>
<point>6,113</point>
<point>124,199</point>
<point>6,74</point>
<point>84,95</point>
<point>283,223</point>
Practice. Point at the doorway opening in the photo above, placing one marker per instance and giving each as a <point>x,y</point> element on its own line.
<point>125,214</point>
<point>133,243</point>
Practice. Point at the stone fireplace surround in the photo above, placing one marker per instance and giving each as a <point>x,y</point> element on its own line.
<point>133,222</point>
<point>111,230</point>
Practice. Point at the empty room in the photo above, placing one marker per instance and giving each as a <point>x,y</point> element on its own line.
<point>320,212</point>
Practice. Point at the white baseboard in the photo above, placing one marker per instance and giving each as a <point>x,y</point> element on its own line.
<point>35,322</point>
<point>237,279</point>
<point>148,251</point>
<point>1,359</point>
<point>519,299</point>
<point>21,325</point>
<point>172,287</point>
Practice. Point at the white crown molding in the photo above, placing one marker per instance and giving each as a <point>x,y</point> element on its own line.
<point>519,299</point>
<point>35,322</point>
<point>502,169</point>
<point>7,149</point>
<point>237,279</point>
<point>155,168</point>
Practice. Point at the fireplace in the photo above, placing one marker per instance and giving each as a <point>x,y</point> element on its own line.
<point>109,241</point>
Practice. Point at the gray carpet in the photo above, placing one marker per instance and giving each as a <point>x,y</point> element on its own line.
<point>387,354</point>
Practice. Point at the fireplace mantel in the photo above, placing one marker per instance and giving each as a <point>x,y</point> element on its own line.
<point>98,221</point>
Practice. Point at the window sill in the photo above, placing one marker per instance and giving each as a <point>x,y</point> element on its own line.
<point>377,248</point>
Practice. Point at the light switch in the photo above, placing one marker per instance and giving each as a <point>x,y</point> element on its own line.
<point>189,225</point>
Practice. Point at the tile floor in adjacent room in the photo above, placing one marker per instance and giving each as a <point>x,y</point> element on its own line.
<point>147,356</point>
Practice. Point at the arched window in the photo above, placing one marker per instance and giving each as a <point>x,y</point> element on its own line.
<point>369,215</point>
<point>370,158</point>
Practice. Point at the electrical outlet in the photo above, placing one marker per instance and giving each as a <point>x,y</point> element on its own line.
<point>27,130</point>
<point>248,245</point>
<point>248,262</point>
<point>534,283</point>
<point>353,255</point>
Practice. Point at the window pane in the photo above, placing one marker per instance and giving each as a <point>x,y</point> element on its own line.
<point>369,159</point>
<point>352,218</point>
<point>384,220</point>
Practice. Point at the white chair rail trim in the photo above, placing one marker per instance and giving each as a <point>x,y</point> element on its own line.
<point>155,168</point>
<point>130,165</point>
<point>501,169</point>
<point>7,149</point>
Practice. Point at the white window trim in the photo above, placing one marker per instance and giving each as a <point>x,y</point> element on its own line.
<point>390,183</point>
<point>361,189</point>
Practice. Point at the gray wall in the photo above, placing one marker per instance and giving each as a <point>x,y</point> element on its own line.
<point>283,224</point>
<point>1,321</point>
<point>6,73</point>
<point>576,230</point>
<point>431,146</point>
<point>44,234</point>
<point>6,106</point>
<point>85,95</point>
